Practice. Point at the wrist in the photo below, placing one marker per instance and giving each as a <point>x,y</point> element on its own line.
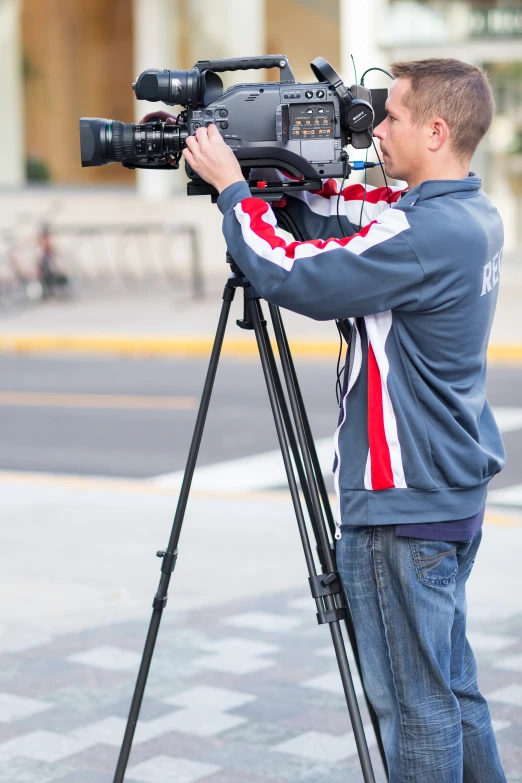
<point>225,183</point>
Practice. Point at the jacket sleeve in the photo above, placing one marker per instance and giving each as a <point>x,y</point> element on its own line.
<point>370,272</point>
<point>315,212</point>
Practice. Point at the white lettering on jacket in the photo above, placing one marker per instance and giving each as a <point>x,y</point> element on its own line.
<point>491,273</point>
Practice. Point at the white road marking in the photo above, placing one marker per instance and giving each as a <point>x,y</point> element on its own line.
<point>508,419</point>
<point>266,470</point>
<point>508,496</point>
<point>246,474</point>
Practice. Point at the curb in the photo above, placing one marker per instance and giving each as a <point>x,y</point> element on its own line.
<point>178,346</point>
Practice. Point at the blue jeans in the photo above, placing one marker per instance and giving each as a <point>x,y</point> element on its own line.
<point>408,601</point>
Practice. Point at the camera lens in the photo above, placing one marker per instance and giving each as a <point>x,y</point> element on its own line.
<point>107,141</point>
<point>104,141</point>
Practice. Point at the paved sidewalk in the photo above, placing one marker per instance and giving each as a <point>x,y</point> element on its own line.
<point>243,687</point>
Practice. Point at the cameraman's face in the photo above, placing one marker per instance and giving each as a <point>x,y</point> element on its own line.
<point>403,145</point>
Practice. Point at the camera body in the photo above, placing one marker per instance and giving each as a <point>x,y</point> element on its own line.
<point>294,126</point>
<point>300,128</point>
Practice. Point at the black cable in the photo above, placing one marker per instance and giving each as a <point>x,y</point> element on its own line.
<point>345,174</point>
<point>339,372</point>
<point>364,194</point>
<point>374,69</point>
<point>388,192</point>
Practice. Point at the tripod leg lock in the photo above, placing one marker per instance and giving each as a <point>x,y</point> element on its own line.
<point>169,560</point>
<point>325,584</point>
<point>322,585</point>
<point>331,615</point>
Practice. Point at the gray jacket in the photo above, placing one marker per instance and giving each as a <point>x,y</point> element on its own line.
<point>417,441</point>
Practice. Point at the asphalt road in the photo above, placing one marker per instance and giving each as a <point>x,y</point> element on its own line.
<point>134,417</point>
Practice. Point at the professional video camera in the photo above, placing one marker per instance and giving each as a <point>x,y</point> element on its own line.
<point>298,128</point>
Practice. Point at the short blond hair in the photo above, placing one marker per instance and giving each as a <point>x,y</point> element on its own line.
<point>458,92</point>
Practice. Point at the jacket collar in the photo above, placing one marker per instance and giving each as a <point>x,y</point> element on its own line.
<point>431,188</point>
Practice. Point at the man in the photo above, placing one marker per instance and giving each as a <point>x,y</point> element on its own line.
<point>417,443</point>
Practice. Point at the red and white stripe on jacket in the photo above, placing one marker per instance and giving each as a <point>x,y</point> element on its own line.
<point>384,467</point>
<point>261,233</point>
<point>324,202</point>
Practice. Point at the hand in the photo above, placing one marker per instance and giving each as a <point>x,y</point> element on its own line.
<point>211,158</point>
<point>170,119</point>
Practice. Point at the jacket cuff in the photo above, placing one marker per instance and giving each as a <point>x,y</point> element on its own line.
<point>232,195</point>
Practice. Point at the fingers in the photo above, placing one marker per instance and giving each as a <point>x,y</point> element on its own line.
<point>202,136</point>
<point>198,144</point>
<point>213,132</point>
<point>162,115</point>
<point>189,157</point>
<point>192,144</point>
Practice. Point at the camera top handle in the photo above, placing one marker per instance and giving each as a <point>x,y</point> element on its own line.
<point>250,63</point>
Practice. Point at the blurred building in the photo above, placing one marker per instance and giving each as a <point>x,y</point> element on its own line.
<point>62,59</point>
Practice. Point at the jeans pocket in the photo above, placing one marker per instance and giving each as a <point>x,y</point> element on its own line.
<point>435,561</point>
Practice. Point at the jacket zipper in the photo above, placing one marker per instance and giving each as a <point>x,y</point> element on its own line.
<point>354,374</point>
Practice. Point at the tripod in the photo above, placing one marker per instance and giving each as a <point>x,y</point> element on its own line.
<point>295,440</point>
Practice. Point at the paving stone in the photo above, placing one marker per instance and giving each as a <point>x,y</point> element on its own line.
<point>512,694</point>
<point>321,746</point>
<point>18,638</point>
<point>162,768</point>
<point>42,746</point>
<point>84,777</point>
<point>253,694</point>
<point>305,603</point>
<point>264,621</point>
<point>233,776</point>
<point>219,699</point>
<point>512,664</point>
<point>331,682</point>
<point>13,707</point>
<point>498,725</point>
<point>30,771</point>
<point>113,658</point>
<point>489,642</point>
<point>109,731</point>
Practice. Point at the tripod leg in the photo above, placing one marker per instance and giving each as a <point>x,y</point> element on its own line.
<point>282,341</point>
<point>331,613</point>
<point>295,391</point>
<point>289,430</point>
<point>170,555</point>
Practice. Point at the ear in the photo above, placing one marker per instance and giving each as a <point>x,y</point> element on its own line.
<point>438,134</point>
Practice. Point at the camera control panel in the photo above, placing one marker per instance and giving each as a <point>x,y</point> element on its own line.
<point>311,121</point>
<point>306,113</point>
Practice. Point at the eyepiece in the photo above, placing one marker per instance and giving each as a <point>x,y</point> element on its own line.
<point>178,88</point>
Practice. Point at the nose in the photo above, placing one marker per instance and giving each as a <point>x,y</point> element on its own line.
<point>379,130</point>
